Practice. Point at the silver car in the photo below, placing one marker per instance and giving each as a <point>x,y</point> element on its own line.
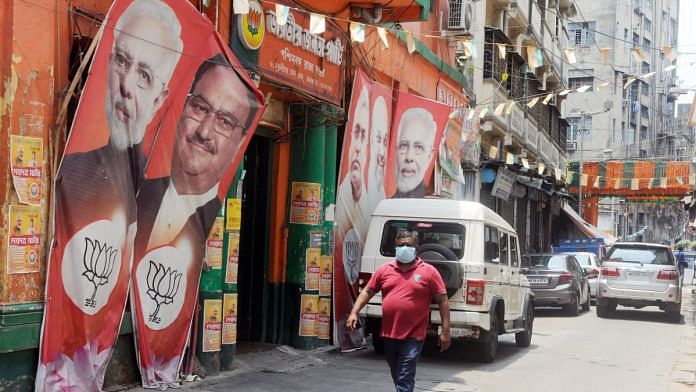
<point>557,280</point>
<point>639,275</point>
<point>588,261</point>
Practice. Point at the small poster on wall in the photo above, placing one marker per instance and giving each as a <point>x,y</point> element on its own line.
<point>213,248</point>
<point>232,258</point>
<point>212,325</point>
<point>305,208</point>
<point>309,306</point>
<point>312,268</point>
<point>26,155</point>
<point>325,277</point>
<point>229,320</point>
<point>324,318</point>
<point>24,239</point>
<point>234,214</point>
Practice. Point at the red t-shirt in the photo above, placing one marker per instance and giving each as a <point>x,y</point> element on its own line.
<point>406,298</point>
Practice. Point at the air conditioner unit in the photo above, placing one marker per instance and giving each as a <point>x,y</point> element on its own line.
<point>571,146</point>
<point>461,15</point>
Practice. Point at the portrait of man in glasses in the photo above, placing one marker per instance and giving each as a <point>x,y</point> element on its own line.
<point>176,213</point>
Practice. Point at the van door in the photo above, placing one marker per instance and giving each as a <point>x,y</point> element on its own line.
<point>505,275</point>
<point>495,273</point>
<point>516,299</point>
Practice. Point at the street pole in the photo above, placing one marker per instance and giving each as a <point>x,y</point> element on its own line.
<point>581,134</point>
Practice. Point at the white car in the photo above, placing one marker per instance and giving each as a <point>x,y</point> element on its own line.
<point>639,275</point>
<point>588,261</point>
<point>477,254</point>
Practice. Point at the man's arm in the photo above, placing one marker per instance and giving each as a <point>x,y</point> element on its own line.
<point>443,306</point>
<point>364,296</point>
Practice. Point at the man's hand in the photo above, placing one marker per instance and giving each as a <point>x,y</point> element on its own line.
<point>445,340</point>
<point>352,322</point>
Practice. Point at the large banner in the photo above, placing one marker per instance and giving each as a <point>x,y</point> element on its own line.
<point>163,89</point>
<point>380,159</point>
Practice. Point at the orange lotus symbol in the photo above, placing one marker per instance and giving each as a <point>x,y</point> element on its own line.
<point>99,261</point>
<point>162,286</point>
<point>254,19</point>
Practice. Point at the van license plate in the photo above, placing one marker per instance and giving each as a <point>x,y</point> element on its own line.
<point>457,332</point>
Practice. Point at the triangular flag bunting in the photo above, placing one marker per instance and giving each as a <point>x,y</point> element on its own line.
<point>650,183</point>
<point>240,7</point>
<point>602,85</point>
<point>680,180</point>
<point>669,53</point>
<point>493,152</point>
<point>663,183</point>
<point>509,159</point>
<point>410,42</point>
<point>564,93</point>
<point>584,88</point>
<point>317,23</point>
<point>499,109</point>
<point>596,182</point>
<point>547,99</point>
<point>533,102</point>
<point>583,179</point>
<point>629,82</point>
<point>617,183</point>
<point>570,55</point>
<point>484,111</point>
<point>670,68</point>
<point>382,32</point>
<point>525,163</point>
<point>692,179</point>
<point>647,75</point>
<point>472,113</point>
<point>635,183</point>
<point>540,168</point>
<point>357,32</point>
<point>569,176</point>
<point>509,107</point>
<point>282,13</point>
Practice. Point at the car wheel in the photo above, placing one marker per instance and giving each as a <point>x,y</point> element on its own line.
<point>673,316</point>
<point>487,348</point>
<point>572,308</point>
<point>524,338</point>
<point>586,305</point>
<point>603,311</point>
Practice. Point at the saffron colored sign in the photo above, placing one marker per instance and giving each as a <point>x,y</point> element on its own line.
<point>24,239</point>
<point>195,113</point>
<point>26,155</point>
<point>401,161</point>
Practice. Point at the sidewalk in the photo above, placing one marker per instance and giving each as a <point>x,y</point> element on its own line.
<point>683,375</point>
<point>255,358</point>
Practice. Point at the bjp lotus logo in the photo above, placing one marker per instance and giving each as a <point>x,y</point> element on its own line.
<point>162,287</point>
<point>251,26</point>
<point>99,261</point>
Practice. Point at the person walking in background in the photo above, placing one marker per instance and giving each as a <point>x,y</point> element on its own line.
<point>408,286</point>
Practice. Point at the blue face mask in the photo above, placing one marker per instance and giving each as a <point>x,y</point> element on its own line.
<point>405,254</point>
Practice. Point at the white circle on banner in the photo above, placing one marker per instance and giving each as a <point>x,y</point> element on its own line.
<point>352,252</point>
<point>161,277</point>
<point>91,264</point>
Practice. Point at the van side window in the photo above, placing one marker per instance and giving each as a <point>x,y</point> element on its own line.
<point>504,248</point>
<point>514,260</point>
<point>491,249</point>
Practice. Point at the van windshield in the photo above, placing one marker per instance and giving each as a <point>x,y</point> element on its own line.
<point>449,235</point>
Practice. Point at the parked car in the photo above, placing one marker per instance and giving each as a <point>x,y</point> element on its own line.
<point>638,275</point>
<point>477,254</point>
<point>589,262</point>
<point>558,280</point>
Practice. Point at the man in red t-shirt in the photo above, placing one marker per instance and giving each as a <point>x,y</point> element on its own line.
<point>408,285</point>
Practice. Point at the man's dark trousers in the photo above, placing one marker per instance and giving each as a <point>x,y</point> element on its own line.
<point>402,356</point>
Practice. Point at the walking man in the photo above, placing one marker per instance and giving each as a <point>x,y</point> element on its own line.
<point>408,285</point>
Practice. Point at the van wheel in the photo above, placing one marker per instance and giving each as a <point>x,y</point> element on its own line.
<point>603,311</point>
<point>487,346</point>
<point>524,338</point>
<point>572,308</point>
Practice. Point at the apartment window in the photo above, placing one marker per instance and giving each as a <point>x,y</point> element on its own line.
<point>574,83</point>
<point>647,25</point>
<point>576,125</point>
<point>636,40</point>
<point>645,89</point>
<point>625,34</point>
<point>647,44</point>
<point>582,34</point>
<point>644,113</point>
<point>645,67</point>
<point>643,133</point>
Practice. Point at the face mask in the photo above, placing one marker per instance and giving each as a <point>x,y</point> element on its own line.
<point>405,254</point>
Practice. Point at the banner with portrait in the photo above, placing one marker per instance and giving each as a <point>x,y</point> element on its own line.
<point>26,166</point>
<point>159,131</point>
<point>360,188</point>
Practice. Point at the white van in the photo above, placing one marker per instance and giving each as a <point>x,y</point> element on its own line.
<point>476,252</point>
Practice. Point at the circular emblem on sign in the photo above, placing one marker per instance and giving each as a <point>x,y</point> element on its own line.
<point>251,27</point>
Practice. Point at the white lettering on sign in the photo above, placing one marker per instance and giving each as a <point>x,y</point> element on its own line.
<point>299,36</point>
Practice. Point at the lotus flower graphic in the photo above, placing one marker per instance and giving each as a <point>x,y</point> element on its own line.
<point>162,286</point>
<point>99,261</point>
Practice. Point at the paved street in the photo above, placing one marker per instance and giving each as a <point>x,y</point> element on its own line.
<point>635,351</point>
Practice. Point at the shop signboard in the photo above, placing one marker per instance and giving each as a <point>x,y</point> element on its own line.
<point>292,55</point>
<point>504,181</point>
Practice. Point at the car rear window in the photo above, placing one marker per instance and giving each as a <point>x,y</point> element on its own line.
<point>642,255</point>
<point>450,235</point>
<point>583,259</point>
<point>550,262</point>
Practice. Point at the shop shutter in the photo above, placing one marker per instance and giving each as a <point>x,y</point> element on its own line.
<point>487,199</point>
<point>521,226</point>
<point>533,226</point>
<point>507,210</point>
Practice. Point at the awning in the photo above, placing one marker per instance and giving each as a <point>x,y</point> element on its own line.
<point>589,230</point>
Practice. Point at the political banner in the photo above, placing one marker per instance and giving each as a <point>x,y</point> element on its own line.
<point>312,268</point>
<point>402,156</point>
<point>229,319</point>
<point>305,207</point>
<point>26,167</point>
<point>360,188</point>
<point>213,249</point>
<point>165,89</point>
<point>212,325</point>
<point>231,272</point>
